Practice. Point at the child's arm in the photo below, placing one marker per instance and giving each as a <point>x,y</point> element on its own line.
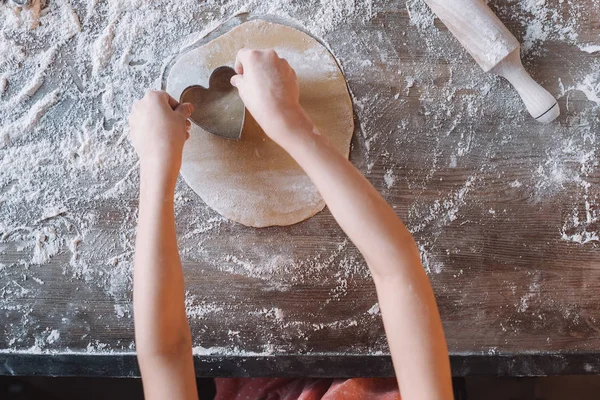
<point>269,89</point>
<point>159,128</point>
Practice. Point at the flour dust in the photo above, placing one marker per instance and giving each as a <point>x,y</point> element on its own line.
<point>70,70</point>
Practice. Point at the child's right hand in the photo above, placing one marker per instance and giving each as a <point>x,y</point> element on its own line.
<point>269,88</point>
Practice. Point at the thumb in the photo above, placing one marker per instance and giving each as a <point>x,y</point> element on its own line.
<point>237,80</point>
<point>185,109</point>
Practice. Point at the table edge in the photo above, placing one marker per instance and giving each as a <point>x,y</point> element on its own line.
<point>124,365</point>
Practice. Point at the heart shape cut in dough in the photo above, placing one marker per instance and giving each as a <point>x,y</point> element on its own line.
<point>218,109</point>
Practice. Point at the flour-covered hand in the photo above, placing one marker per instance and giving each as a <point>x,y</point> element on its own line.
<point>159,127</point>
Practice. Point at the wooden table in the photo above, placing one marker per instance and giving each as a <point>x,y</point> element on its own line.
<point>500,207</point>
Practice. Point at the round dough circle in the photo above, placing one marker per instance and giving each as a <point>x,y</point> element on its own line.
<point>254,181</point>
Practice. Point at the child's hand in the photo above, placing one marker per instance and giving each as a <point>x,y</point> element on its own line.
<point>159,127</point>
<point>269,88</point>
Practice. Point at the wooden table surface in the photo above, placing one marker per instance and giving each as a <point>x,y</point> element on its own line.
<point>504,210</point>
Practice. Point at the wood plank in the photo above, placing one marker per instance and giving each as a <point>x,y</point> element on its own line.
<point>494,200</point>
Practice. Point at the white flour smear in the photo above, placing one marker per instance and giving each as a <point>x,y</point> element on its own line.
<point>544,23</point>
<point>69,73</point>
<point>70,70</point>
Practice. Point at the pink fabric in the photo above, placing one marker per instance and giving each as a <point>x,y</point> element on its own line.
<point>307,389</point>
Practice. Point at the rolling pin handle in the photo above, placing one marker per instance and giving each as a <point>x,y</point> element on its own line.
<point>539,102</point>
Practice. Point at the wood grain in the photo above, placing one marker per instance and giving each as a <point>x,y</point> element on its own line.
<point>509,287</point>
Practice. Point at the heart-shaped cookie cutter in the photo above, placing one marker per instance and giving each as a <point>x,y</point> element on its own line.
<point>218,109</point>
<point>21,3</point>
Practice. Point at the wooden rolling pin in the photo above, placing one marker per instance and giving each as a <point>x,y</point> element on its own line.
<point>495,49</point>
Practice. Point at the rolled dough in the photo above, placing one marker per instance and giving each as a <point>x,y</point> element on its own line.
<point>254,181</point>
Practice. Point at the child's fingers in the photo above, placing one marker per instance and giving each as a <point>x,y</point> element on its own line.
<point>237,80</point>
<point>185,109</point>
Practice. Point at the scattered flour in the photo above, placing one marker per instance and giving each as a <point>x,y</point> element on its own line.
<point>198,310</point>
<point>582,230</point>
<point>516,184</point>
<point>69,73</point>
<point>70,70</point>
<point>389,178</point>
<point>53,337</point>
<point>47,58</point>
<point>420,15</point>
<point>374,310</point>
<point>121,311</point>
<point>532,293</point>
<point>544,22</point>
<point>29,122</point>
<point>590,48</point>
<point>590,86</point>
<point>47,244</point>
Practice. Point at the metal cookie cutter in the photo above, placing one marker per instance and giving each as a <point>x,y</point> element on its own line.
<point>218,109</point>
<point>21,3</point>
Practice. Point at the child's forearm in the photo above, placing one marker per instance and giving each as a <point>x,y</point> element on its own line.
<point>269,88</point>
<point>158,129</point>
<point>407,302</point>
<point>162,334</point>
<point>161,324</point>
<point>355,204</point>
